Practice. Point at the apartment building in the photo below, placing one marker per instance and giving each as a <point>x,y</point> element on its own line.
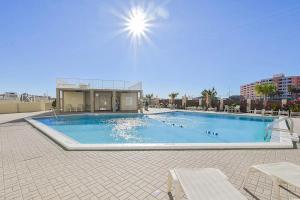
<point>281,82</point>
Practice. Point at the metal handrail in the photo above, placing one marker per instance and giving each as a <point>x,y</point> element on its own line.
<point>54,113</point>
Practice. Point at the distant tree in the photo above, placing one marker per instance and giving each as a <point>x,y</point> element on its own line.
<point>173,96</point>
<point>149,97</point>
<point>54,104</point>
<point>209,95</point>
<point>265,90</point>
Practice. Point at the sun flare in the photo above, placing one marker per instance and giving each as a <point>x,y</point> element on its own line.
<point>137,24</point>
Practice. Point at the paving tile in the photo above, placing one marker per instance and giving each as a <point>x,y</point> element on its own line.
<point>34,167</point>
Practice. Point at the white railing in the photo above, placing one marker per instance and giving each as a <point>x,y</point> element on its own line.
<point>76,83</point>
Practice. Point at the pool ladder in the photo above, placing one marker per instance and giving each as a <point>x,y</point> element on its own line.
<point>289,123</point>
<point>54,113</point>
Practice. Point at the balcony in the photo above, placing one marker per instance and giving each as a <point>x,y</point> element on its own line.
<point>76,83</point>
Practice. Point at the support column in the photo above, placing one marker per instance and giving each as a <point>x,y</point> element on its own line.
<point>84,103</point>
<point>141,102</point>
<point>200,102</point>
<point>248,107</point>
<point>184,101</point>
<point>113,101</point>
<point>92,100</point>
<point>63,100</point>
<point>221,108</point>
<point>58,99</point>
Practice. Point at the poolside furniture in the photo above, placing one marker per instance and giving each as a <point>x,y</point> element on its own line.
<point>275,112</point>
<point>79,108</point>
<point>269,112</point>
<point>253,111</point>
<point>282,112</point>
<point>212,109</point>
<point>191,108</point>
<point>171,106</point>
<point>237,108</point>
<point>280,173</point>
<point>69,107</point>
<point>295,114</point>
<point>262,112</point>
<point>199,108</point>
<point>226,109</point>
<point>202,184</point>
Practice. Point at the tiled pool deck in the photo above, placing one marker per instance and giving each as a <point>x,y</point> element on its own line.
<point>34,167</point>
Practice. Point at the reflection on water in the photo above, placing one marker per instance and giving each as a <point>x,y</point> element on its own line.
<point>179,127</point>
<point>126,128</point>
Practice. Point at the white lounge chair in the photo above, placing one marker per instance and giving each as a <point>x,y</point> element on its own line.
<point>269,112</point>
<point>280,173</point>
<point>69,107</point>
<point>200,108</point>
<point>282,112</point>
<point>212,109</point>
<point>295,114</point>
<point>202,184</point>
<point>237,108</point>
<point>262,111</point>
<point>226,109</point>
<point>79,108</point>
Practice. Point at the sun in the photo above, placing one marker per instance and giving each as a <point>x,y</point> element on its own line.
<point>137,24</point>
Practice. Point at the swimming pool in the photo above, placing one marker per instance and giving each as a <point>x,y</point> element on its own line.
<point>174,128</point>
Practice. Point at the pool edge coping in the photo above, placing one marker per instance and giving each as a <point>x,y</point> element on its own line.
<point>284,141</point>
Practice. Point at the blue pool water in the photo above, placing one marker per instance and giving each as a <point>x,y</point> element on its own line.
<point>176,127</point>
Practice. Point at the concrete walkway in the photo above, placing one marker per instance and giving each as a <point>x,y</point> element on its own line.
<point>34,167</point>
<point>4,118</point>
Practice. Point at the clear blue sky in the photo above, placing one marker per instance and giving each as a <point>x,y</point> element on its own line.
<point>197,44</point>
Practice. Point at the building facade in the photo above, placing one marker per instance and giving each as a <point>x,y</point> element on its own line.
<point>281,82</point>
<point>9,96</point>
<point>83,95</point>
<point>24,97</point>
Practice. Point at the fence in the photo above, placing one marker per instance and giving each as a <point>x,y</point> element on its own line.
<point>257,104</point>
<point>77,83</point>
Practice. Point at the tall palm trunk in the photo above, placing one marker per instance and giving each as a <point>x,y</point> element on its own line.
<point>207,101</point>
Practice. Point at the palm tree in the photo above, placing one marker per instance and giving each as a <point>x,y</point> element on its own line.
<point>149,97</point>
<point>209,95</point>
<point>173,96</point>
<point>265,90</point>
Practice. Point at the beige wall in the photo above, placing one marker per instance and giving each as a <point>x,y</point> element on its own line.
<point>73,98</point>
<point>30,107</point>
<point>8,107</point>
<point>15,107</point>
<point>129,101</point>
